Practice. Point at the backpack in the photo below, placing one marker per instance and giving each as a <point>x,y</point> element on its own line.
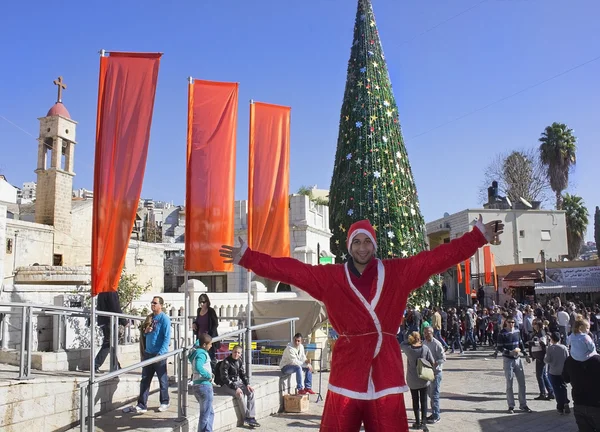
<point>217,373</point>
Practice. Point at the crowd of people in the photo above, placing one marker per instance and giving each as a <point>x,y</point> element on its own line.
<point>562,339</point>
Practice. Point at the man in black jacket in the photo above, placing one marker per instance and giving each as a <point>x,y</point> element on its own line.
<point>107,302</point>
<point>584,378</point>
<point>235,383</point>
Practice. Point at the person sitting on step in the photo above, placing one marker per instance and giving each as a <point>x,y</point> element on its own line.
<point>293,361</point>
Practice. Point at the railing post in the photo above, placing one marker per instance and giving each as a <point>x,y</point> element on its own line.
<point>114,336</point>
<point>23,341</point>
<point>176,360</point>
<point>4,332</point>
<point>184,392</point>
<point>29,338</point>
<point>128,331</point>
<point>82,408</point>
<point>293,328</point>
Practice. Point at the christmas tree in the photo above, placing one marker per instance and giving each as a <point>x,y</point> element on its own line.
<point>372,178</point>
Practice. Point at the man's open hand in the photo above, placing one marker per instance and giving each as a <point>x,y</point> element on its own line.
<point>491,229</point>
<point>232,254</point>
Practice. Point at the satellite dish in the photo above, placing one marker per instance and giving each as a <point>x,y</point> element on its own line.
<point>508,201</point>
<point>446,214</point>
<point>525,202</point>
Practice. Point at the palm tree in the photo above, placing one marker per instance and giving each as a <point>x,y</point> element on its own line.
<point>576,215</point>
<point>557,153</point>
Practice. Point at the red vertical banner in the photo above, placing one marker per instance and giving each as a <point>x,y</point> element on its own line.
<point>487,263</point>
<point>126,94</point>
<point>268,179</point>
<point>468,276</point>
<point>210,174</point>
<point>459,276</point>
<point>495,272</point>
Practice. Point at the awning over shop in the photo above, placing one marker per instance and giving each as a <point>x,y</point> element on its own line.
<point>585,286</point>
<point>522,278</point>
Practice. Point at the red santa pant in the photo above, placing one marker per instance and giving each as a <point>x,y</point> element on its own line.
<point>343,414</point>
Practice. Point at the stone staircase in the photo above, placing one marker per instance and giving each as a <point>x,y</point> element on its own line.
<point>267,383</point>
<point>49,401</point>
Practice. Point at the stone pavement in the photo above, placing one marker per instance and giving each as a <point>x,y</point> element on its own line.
<point>473,399</point>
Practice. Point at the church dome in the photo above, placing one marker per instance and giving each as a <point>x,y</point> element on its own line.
<point>59,110</point>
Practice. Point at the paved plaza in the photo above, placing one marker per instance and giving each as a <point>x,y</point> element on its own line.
<point>472,399</point>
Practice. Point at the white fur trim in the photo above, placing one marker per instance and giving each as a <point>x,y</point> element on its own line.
<point>481,227</point>
<point>238,258</point>
<point>369,395</point>
<point>361,231</point>
<point>380,279</point>
<point>371,307</point>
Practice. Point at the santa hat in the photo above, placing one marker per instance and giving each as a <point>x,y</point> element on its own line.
<point>361,227</point>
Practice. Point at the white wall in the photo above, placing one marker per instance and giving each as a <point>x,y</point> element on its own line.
<point>8,193</point>
<point>33,244</point>
<point>146,261</point>
<point>2,243</point>
<point>515,248</point>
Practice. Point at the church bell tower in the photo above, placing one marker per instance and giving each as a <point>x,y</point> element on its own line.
<point>56,151</point>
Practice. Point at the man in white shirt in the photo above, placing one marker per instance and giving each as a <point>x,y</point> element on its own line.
<point>294,360</point>
<point>437,351</point>
<point>563,324</point>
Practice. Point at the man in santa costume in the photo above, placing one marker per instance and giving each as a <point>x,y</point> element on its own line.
<point>365,298</point>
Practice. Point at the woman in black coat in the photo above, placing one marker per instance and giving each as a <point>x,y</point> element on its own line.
<point>207,322</point>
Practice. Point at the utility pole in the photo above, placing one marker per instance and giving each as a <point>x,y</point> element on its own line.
<point>543,255</point>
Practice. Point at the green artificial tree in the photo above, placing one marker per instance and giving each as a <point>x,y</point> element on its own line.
<point>372,178</point>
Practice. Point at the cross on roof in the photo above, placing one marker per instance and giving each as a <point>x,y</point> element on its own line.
<point>61,86</point>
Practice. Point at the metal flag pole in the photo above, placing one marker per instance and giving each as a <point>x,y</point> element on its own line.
<point>249,324</point>
<point>92,387</point>
<point>249,273</point>
<point>186,311</point>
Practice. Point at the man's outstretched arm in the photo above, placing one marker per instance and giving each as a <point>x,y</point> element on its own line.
<point>415,271</point>
<point>307,277</point>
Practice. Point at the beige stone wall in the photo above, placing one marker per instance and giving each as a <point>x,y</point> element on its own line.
<point>2,242</point>
<point>81,233</point>
<point>147,262</point>
<point>33,244</point>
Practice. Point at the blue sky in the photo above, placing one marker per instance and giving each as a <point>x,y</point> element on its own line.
<point>295,53</point>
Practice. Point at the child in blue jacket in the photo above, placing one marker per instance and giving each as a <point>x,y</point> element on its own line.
<point>202,380</point>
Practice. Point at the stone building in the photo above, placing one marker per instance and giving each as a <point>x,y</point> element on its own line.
<point>56,229</point>
<point>530,235</point>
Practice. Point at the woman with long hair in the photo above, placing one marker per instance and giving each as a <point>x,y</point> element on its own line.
<point>414,350</point>
<point>206,322</point>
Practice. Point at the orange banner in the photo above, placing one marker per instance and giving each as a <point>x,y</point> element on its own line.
<point>268,179</point>
<point>495,272</point>
<point>487,263</point>
<point>125,102</point>
<point>210,180</point>
<point>468,277</point>
<point>459,276</point>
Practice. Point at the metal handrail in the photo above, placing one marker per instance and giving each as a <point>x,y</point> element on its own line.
<point>111,375</point>
<point>274,323</point>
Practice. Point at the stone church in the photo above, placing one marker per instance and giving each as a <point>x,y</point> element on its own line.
<point>51,237</point>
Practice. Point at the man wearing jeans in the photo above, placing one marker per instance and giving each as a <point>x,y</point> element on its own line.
<point>157,336</point>
<point>434,388</point>
<point>294,360</point>
<point>510,344</point>
<point>436,323</point>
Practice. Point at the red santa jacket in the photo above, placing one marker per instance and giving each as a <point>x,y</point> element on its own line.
<point>366,363</point>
